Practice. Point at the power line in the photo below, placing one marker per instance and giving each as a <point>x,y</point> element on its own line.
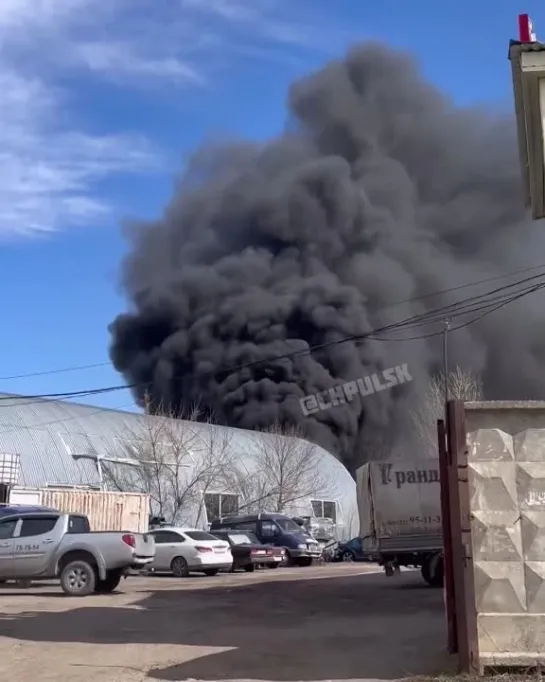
<point>453,310</point>
<point>395,304</point>
<point>55,371</point>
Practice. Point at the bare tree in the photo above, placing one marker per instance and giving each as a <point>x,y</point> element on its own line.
<point>281,470</point>
<point>174,461</point>
<point>462,385</point>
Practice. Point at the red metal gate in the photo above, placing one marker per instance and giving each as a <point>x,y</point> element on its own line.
<point>459,580</point>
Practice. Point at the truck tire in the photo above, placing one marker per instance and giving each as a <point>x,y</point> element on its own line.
<point>179,567</point>
<point>78,578</point>
<point>433,578</point>
<point>109,584</point>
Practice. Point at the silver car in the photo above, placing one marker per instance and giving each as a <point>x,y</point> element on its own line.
<point>181,551</point>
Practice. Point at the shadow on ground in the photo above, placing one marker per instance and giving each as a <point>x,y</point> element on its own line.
<point>332,628</point>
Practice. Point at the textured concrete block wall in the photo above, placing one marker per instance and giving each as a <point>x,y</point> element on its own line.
<point>507,492</point>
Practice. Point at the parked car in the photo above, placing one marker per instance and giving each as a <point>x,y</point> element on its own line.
<point>248,553</point>
<point>41,544</point>
<point>277,530</point>
<point>182,551</point>
<point>352,551</point>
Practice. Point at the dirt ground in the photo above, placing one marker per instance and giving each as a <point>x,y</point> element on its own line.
<point>333,622</point>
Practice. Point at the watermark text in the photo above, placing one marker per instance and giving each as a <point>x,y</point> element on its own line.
<point>345,393</point>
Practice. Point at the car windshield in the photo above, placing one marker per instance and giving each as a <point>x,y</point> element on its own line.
<point>289,526</point>
<point>199,535</point>
<point>243,539</point>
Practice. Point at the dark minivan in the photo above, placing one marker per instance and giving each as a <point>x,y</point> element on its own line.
<point>278,530</point>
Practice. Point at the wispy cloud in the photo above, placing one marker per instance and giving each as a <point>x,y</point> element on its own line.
<point>120,62</point>
<point>48,173</point>
<point>51,165</point>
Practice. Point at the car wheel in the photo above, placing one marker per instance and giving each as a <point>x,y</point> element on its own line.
<point>109,584</point>
<point>275,565</point>
<point>250,568</point>
<point>211,571</point>
<point>435,579</point>
<point>78,578</point>
<point>290,561</point>
<point>179,567</point>
<point>347,556</point>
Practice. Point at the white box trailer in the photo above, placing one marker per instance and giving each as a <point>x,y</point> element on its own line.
<point>399,506</point>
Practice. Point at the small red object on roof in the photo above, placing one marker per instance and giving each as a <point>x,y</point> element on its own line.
<point>526,29</point>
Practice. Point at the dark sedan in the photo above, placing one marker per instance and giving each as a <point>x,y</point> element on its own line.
<point>248,553</point>
<point>352,551</point>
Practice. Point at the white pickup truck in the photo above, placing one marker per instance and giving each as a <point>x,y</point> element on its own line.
<point>43,544</point>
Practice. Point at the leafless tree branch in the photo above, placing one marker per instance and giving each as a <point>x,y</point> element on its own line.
<point>462,385</point>
<point>175,462</point>
<point>282,470</point>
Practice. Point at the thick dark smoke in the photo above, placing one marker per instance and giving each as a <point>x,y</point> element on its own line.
<point>380,190</point>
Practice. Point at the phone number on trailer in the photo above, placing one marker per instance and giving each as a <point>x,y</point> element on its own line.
<point>416,520</point>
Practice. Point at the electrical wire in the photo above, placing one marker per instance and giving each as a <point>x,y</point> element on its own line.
<point>456,309</point>
<point>413,299</point>
<point>62,370</point>
<point>470,322</point>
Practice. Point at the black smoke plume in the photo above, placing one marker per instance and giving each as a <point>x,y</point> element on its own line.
<point>380,189</point>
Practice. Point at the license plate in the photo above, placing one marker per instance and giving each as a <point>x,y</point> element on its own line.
<point>278,558</point>
<point>261,551</point>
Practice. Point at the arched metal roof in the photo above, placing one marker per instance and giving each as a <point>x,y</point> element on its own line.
<point>47,435</point>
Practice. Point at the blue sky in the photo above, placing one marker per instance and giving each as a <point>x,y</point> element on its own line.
<point>101,101</point>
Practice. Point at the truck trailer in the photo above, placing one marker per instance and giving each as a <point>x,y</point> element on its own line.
<point>399,506</point>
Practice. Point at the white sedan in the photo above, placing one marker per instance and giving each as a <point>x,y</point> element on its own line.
<point>181,551</point>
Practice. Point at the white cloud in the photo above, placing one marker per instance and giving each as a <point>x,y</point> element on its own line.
<point>47,173</point>
<point>50,164</point>
<point>120,61</point>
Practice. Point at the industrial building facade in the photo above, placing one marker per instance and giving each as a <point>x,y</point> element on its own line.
<point>62,444</point>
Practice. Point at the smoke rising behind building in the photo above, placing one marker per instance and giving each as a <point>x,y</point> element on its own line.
<point>380,190</point>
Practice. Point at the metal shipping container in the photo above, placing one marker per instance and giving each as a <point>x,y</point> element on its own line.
<point>106,510</point>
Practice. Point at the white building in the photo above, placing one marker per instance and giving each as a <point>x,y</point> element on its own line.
<point>66,444</point>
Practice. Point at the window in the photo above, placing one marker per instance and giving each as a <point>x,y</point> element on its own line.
<point>324,509</point>
<point>243,539</point>
<point>4,493</point>
<point>269,529</point>
<point>78,524</point>
<point>247,525</point>
<point>219,505</point>
<point>38,525</point>
<point>7,528</point>
<point>164,537</point>
<point>199,535</point>
<point>288,525</point>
